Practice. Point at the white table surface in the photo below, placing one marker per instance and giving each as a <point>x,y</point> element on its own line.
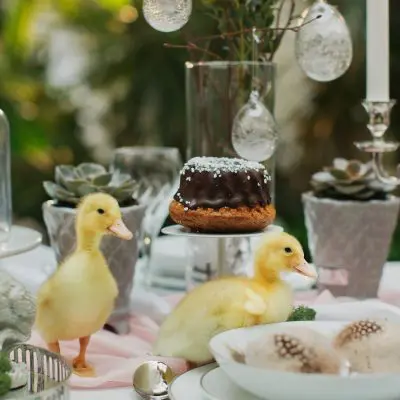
<point>33,267</point>
<point>105,394</point>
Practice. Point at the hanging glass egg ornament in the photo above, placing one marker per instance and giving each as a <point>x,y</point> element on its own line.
<point>167,15</point>
<point>254,131</point>
<point>324,48</point>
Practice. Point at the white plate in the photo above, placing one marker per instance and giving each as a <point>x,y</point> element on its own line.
<point>206,383</point>
<point>179,230</point>
<point>279,385</point>
<point>215,385</point>
<point>21,240</point>
<point>187,385</point>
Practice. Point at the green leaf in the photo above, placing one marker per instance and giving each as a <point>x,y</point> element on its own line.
<point>120,179</point>
<point>86,189</point>
<point>131,184</point>
<point>338,174</point>
<point>302,313</point>
<point>73,186</point>
<point>5,365</point>
<point>90,170</point>
<point>106,189</point>
<point>56,192</point>
<point>64,173</point>
<point>102,180</point>
<point>122,195</point>
<point>5,384</point>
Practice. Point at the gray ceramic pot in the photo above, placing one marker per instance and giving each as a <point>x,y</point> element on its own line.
<point>352,238</point>
<point>121,255</point>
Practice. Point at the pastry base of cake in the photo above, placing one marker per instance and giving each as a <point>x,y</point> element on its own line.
<point>223,220</point>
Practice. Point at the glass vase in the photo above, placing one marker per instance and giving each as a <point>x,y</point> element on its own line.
<point>5,180</point>
<point>215,92</point>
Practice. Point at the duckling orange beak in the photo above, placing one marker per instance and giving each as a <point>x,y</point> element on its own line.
<point>119,229</point>
<point>306,269</point>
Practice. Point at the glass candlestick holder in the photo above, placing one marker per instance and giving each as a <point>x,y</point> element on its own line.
<point>5,180</point>
<point>379,121</point>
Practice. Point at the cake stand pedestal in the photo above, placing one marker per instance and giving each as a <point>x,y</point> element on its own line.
<point>21,240</point>
<point>223,263</point>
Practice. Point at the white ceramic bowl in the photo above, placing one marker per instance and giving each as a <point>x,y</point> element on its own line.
<point>278,385</point>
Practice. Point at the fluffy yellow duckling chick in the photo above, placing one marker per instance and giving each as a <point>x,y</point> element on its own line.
<point>234,302</point>
<point>78,298</point>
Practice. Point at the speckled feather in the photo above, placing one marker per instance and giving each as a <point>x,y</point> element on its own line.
<point>358,330</point>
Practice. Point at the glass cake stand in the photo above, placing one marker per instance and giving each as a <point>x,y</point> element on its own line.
<point>21,240</point>
<point>221,238</point>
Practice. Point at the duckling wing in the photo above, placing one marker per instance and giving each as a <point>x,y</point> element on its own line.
<point>255,304</point>
<point>44,316</point>
<point>209,309</point>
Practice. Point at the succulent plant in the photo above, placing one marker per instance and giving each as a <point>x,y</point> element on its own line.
<point>349,180</point>
<point>72,183</point>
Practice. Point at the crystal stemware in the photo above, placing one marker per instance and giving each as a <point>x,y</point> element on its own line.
<point>157,170</point>
<point>5,180</point>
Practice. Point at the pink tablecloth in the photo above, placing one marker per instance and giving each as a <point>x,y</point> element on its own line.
<point>116,357</point>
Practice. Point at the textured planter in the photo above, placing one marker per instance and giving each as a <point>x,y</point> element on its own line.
<point>121,255</point>
<point>352,237</point>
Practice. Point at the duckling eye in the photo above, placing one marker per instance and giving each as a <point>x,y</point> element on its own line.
<point>288,250</point>
<point>100,211</point>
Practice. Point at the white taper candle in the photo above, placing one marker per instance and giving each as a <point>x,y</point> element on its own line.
<point>378,50</point>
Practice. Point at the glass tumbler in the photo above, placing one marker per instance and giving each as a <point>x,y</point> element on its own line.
<point>5,180</point>
<point>209,258</point>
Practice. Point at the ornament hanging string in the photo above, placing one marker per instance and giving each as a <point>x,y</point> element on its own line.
<point>256,41</point>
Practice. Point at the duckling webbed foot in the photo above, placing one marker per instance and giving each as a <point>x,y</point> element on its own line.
<point>82,368</point>
<point>79,364</point>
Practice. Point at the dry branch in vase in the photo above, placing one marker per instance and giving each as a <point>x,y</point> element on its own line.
<point>236,20</point>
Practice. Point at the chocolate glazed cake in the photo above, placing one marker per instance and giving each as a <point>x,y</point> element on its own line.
<point>223,195</point>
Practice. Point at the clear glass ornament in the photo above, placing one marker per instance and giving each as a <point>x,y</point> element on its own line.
<point>5,180</point>
<point>254,132</point>
<point>324,48</point>
<point>167,15</point>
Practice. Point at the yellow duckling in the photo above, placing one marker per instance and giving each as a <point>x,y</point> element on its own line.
<point>78,298</point>
<point>234,302</point>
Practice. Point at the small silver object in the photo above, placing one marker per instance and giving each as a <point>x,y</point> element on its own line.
<point>151,380</point>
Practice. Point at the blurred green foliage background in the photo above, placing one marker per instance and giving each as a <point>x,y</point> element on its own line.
<point>81,77</point>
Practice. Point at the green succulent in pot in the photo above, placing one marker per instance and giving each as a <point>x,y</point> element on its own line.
<point>74,182</point>
<point>349,180</point>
